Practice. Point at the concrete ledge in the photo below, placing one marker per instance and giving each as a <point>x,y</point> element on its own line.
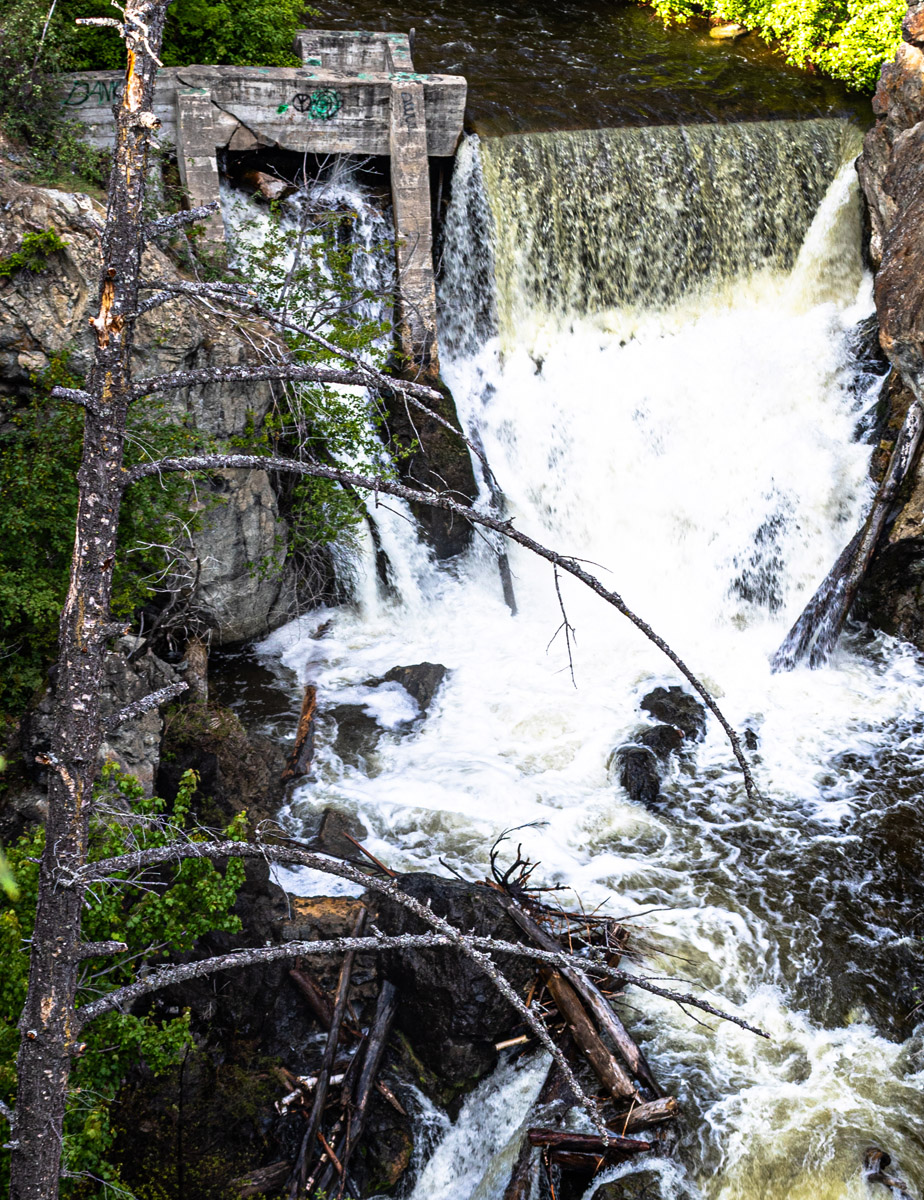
<point>356,93</point>
<point>315,111</point>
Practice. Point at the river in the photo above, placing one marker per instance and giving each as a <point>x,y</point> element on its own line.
<point>651,332</point>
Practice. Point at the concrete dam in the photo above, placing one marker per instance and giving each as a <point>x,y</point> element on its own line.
<point>355,93</point>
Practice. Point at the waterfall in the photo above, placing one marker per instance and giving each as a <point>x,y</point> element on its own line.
<point>599,220</point>
<point>649,332</point>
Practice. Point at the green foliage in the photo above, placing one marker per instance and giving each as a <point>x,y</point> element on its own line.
<point>40,450</point>
<point>33,255</point>
<point>194,898</point>
<point>30,101</point>
<point>247,32</point>
<point>847,39</point>
<point>312,266</point>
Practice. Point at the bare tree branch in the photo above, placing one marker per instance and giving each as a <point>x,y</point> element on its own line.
<point>212,462</point>
<point>7,1112</point>
<point>461,941</point>
<point>152,700</point>
<point>246,374</point>
<point>101,949</point>
<point>246,297</point>
<point>178,220</point>
<point>138,860</point>
<point>74,395</point>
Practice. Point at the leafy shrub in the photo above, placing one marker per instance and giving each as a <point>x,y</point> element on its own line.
<point>847,39</point>
<point>190,900</point>
<point>33,255</point>
<point>40,450</point>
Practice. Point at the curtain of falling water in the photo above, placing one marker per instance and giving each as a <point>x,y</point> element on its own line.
<point>649,332</point>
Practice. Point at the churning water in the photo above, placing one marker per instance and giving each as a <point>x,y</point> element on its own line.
<point>663,383</point>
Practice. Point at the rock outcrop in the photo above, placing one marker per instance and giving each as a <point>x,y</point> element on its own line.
<point>135,745</point>
<point>241,542</point>
<point>891,171</point>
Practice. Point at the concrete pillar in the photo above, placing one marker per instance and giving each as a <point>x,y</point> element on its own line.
<point>196,139</point>
<point>410,187</point>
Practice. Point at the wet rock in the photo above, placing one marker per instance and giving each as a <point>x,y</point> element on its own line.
<point>270,187</point>
<point>450,1011</point>
<point>434,457</point>
<point>727,32</point>
<point>358,731</point>
<point>638,772</point>
<point>664,740</point>
<point>237,770</point>
<point>674,706</point>
<point>44,315</point>
<point>641,1185</point>
<point>421,681</point>
<point>358,734</point>
<point>891,179</point>
<point>331,838</point>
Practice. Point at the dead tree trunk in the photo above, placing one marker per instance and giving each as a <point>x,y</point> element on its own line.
<point>48,1025</point>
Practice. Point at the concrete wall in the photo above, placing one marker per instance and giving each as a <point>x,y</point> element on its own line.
<point>356,93</point>
<point>316,110</point>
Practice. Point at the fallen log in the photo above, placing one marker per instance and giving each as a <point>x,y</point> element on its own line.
<point>815,633</point>
<point>607,1020</point>
<point>605,1066</point>
<point>303,751</point>
<point>572,1160</point>
<point>587,1143</point>
<point>317,998</point>
<point>299,1174</point>
<point>376,1044</point>
<point>642,1116</point>
<point>257,1183</point>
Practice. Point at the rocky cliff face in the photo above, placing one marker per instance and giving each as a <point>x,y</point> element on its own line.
<point>891,171</point>
<point>242,540</point>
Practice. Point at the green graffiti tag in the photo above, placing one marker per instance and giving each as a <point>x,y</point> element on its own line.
<point>104,91</point>
<point>320,105</point>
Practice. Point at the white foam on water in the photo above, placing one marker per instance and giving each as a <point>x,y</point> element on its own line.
<point>700,460</point>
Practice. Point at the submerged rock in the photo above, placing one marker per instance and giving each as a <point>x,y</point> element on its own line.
<point>421,681</point>
<point>638,772</point>
<point>358,734</point>
<point>664,740</point>
<point>359,729</point>
<point>677,707</point>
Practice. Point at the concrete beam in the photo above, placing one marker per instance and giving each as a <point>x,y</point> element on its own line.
<point>316,110</point>
<point>196,155</point>
<point>410,187</point>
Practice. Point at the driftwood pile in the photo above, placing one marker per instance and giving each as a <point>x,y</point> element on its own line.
<point>334,1101</point>
<point>582,1017</point>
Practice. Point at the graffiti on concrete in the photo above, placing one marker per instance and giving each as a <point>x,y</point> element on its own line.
<point>83,91</point>
<point>320,105</point>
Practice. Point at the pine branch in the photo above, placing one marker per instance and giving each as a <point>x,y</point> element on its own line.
<point>213,462</point>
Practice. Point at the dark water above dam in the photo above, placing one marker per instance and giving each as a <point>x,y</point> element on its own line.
<point>574,65</point>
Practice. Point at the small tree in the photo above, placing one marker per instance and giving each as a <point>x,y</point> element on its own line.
<point>53,1022</point>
